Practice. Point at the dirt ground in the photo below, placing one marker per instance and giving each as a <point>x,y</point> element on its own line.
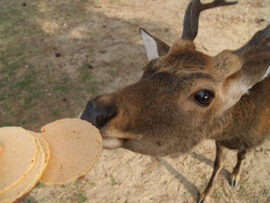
<point>55,55</point>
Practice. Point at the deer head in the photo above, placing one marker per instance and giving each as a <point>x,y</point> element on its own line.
<point>182,93</point>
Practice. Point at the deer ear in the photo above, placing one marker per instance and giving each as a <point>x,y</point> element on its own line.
<point>255,57</point>
<point>154,47</point>
<point>241,69</point>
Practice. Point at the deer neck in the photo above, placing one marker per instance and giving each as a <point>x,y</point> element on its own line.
<point>237,120</point>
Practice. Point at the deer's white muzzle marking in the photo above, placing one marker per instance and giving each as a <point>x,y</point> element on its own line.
<point>112,143</point>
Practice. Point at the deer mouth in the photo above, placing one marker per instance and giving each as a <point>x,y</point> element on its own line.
<point>113,138</point>
<point>110,141</point>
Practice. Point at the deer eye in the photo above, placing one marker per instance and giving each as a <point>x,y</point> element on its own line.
<point>204,97</point>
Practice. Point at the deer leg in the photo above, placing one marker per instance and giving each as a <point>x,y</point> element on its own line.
<point>236,170</point>
<point>217,167</point>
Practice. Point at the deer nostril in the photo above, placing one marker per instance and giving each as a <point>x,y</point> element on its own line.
<point>99,113</point>
<point>101,120</point>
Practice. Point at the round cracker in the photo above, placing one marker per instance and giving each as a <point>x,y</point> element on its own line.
<point>17,156</point>
<point>29,181</point>
<point>44,145</point>
<point>75,147</point>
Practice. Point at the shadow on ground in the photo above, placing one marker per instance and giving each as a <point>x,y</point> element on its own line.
<point>55,55</point>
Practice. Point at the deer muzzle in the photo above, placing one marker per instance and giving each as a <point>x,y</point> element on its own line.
<point>99,112</point>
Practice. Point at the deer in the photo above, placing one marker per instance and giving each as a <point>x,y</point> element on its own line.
<point>185,96</point>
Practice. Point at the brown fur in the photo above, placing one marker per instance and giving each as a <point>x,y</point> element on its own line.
<point>159,116</point>
<point>160,107</point>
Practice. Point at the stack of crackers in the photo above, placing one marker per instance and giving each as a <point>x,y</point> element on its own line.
<point>63,151</point>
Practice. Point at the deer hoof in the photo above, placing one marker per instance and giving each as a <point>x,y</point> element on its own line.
<point>203,199</point>
<point>233,182</point>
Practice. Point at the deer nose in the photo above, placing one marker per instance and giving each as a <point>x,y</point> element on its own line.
<point>99,112</point>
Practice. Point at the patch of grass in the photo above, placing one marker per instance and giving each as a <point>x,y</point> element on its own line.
<point>113,181</point>
<point>26,82</point>
<point>62,85</point>
<point>85,77</point>
<point>27,105</point>
<point>186,195</point>
<point>92,185</point>
<point>7,68</point>
<point>13,25</point>
<point>86,80</point>
<point>55,112</point>
<point>84,67</point>
<point>21,123</point>
<point>112,72</point>
<point>253,199</point>
<point>25,88</point>
<point>16,123</point>
<point>28,199</point>
<point>80,198</point>
<point>103,51</point>
<point>217,194</point>
<point>45,200</point>
<point>243,187</point>
<point>113,1</point>
<point>2,97</point>
<point>93,90</point>
<point>242,190</point>
<point>91,51</point>
<point>6,124</point>
<point>28,101</point>
<point>84,73</point>
<point>39,185</point>
<point>202,187</point>
<point>265,192</point>
<point>63,186</point>
<point>77,183</point>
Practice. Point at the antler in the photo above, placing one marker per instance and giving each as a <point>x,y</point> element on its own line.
<point>191,19</point>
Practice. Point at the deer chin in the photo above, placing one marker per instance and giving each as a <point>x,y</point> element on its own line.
<point>112,143</point>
